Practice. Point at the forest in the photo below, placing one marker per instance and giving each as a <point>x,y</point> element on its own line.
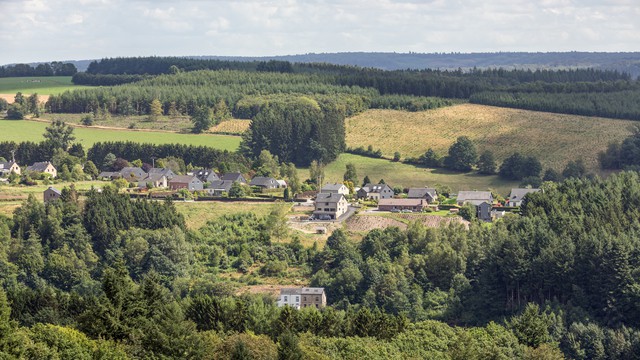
<point>55,68</point>
<point>108,277</point>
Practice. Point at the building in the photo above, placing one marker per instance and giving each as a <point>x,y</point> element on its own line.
<point>6,168</point>
<point>335,189</point>
<point>266,183</point>
<point>330,206</point>
<point>282,184</point>
<point>43,167</point>
<point>428,194</point>
<point>483,211</point>
<point>51,194</point>
<point>517,195</point>
<point>188,182</point>
<point>219,187</point>
<point>236,176</point>
<point>414,205</point>
<point>156,180</point>
<point>168,173</point>
<point>206,175</point>
<point>130,174</point>
<point>302,297</point>
<point>474,197</point>
<point>375,192</point>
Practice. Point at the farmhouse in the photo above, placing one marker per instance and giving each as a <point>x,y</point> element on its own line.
<point>6,168</point>
<point>302,297</point>
<point>415,205</point>
<point>265,183</point>
<point>474,197</point>
<point>51,194</point>
<point>218,187</point>
<point>517,195</point>
<point>428,194</point>
<point>330,206</point>
<point>157,180</point>
<point>43,167</point>
<point>206,175</point>
<point>375,192</point>
<point>236,176</point>
<point>335,189</point>
<point>188,182</point>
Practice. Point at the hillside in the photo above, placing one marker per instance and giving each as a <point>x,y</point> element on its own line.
<point>554,138</point>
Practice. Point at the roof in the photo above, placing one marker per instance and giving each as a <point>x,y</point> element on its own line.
<point>127,171</point>
<point>7,165</point>
<point>39,166</point>
<point>311,290</point>
<point>184,179</point>
<point>517,194</point>
<point>51,188</point>
<point>290,291</point>
<point>162,171</point>
<point>232,176</point>
<point>375,188</point>
<point>332,187</point>
<point>329,197</point>
<point>415,193</point>
<point>282,183</point>
<point>105,174</point>
<point>204,174</point>
<point>221,185</point>
<point>475,195</point>
<point>402,202</point>
<point>154,177</point>
<point>263,181</point>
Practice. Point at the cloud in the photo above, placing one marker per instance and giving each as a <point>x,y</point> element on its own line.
<point>39,30</point>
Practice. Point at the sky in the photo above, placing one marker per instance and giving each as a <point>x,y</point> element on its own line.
<point>47,30</point>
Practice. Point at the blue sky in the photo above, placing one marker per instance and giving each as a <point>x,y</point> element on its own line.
<point>44,30</point>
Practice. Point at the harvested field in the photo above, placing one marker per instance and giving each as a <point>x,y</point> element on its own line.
<point>365,223</point>
<point>231,127</point>
<point>11,97</point>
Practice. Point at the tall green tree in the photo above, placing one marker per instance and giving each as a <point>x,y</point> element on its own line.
<point>351,174</point>
<point>201,119</point>
<point>59,134</point>
<point>462,155</point>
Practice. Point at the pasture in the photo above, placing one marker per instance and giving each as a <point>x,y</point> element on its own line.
<point>43,85</point>
<point>398,174</point>
<point>197,214</point>
<point>555,139</point>
<point>23,130</point>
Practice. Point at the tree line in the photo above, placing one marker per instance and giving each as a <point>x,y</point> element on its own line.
<point>55,68</point>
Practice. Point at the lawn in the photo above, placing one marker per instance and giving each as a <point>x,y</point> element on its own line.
<point>398,174</point>
<point>22,130</point>
<point>555,139</point>
<point>43,85</point>
<point>198,213</point>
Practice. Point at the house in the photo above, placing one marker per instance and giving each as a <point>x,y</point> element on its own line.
<point>330,206</point>
<point>130,174</point>
<point>415,205</point>
<point>302,297</point>
<point>206,175</point>
<point>107,175</point>
<point>163,172</point>
<point>157,180</point>
<point>6,168</point>
<point>517,195</point>
<point>282,184</point>
<point>51,194</point>
<point>483,211</point>
<point>375,192</point>
<point>474,197</point>
<point>218,187</point>
<point>43,167</point>
<point>188,182</point>
<point>428,194</point>
<point>264,182</point>
<point>236,176</point>
<point>335,189</point>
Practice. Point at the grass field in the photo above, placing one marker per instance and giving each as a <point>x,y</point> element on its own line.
<point>555,139</point>
<point>398,174</point>
<point>22,130</point>
<point>198,213</point>
<point>43,85</point>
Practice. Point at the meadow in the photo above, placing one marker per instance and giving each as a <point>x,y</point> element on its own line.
<point>43,85</point>
<point>555,139</point>
<point>23,130</point>
<point>199,213</point>
<point>398,174</point>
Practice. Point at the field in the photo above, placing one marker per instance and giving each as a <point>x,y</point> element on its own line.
<point>555,139</point>
<point>12,130</point>
<point>398,174</point>
<point>44,85</point>
<point>198,213</point>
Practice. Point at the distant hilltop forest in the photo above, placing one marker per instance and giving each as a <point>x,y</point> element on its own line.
<point>627,62</point>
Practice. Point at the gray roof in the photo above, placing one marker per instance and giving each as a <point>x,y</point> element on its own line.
<point>51,188</point>
<point>106,174</point>
<point>6,165</point>
<point>290,291</point>
<point>375,188</point>
<point>419,193</point>
<point>162,171</point>
<point>475,196</point>
<point>329,197</point>
<point>224,185</point>
<point>206,174</point>
<point>263,181</point>
<point>184,179</point>
<point>311,290</point>
<point>332,187</point>
<point>136,171</point>
<point>518,194</point>
<point>151,177</point>
<point>39,166</point>
<point>236,176</point>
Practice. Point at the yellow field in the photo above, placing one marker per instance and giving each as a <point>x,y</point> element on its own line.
<point>555,139</point>
<point>233,126</point>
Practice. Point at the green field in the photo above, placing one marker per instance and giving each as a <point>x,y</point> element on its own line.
<point>22,130</point>
<point>398,174</point>
<point>197,214</point>
<point>43,85</point>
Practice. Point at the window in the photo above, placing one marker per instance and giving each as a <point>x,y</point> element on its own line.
<point>304,298</point>
<point>317,298</point>
<point>297,298</point>
<point>285,298</point>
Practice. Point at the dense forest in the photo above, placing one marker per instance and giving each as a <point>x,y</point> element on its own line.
<point>108,277</point>
<point>54,68</point>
